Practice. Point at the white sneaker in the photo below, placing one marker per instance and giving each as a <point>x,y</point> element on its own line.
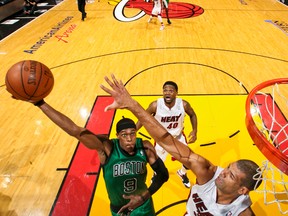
<point>184,179</point>
<point>162,27</point>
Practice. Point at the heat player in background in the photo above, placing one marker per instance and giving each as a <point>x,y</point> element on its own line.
<point>170,111</point>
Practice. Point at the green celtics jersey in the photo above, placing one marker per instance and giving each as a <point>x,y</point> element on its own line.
<point>124,173</point>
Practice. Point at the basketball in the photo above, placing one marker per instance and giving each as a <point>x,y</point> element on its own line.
<point>29,80</point>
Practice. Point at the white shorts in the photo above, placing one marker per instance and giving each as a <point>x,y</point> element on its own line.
<point>156,9</point>
<point>162,153</point>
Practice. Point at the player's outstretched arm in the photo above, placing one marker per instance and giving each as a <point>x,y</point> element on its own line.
<point>151,110</point>
<point>202,168</point>
<point>89,139</point>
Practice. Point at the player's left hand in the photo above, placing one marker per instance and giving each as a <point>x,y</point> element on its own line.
<point>192,137</point>
<point>122,98</point>
<point>135,201</point>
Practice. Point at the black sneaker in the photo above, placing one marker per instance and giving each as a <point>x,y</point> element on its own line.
<point>184,179</point>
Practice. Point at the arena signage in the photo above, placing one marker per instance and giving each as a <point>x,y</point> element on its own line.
<point>48,35</point>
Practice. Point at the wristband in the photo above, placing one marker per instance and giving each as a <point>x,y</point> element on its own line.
<point>39,103</point>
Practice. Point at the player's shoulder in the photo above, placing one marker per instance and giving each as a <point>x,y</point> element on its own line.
<point>183,100</point>
<point>186,104</point>
<point>154,102</point>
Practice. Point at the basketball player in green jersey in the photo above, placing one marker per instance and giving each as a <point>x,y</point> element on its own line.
<point>124,163</point>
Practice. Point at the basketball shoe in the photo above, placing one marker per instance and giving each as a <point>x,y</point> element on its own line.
<point>184,179</point>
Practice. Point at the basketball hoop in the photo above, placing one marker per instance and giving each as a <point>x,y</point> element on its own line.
<point>266,112</point>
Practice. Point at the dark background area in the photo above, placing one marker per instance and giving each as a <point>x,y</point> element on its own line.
<point>21,18</point>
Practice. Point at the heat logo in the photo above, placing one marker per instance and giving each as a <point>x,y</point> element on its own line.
<point>177,10</point>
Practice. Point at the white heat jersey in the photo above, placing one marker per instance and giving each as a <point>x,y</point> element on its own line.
<point>202,201</point>
<point>172,119</point>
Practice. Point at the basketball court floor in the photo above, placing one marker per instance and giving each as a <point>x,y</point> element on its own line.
<point>216,51</point>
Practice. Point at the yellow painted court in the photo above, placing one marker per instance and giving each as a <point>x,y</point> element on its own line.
<point>222,137</point>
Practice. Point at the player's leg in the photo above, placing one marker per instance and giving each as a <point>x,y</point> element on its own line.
<point>161,21</point>
<point>182,172</point>
<point>158,11</point>
<point>81,8</point>
<point>153,12</point>
<point>166,3</point>
<point>150,18</point>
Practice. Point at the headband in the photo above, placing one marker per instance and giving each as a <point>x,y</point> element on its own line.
<point>124,124</point>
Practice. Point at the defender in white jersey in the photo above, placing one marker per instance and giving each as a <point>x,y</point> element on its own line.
<point>170,111</point>
<point>229,189</point>
<point>203,200</point>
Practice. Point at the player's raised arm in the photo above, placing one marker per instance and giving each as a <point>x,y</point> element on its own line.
<point>151,110</point>
<point>202,168</point>
<point>89,139</point>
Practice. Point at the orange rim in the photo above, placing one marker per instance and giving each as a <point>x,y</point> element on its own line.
<point>276,157</point>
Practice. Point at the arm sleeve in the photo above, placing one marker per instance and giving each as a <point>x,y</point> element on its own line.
<point>161,176</point>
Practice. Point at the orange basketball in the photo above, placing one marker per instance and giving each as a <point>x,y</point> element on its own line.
<point>29,80</point>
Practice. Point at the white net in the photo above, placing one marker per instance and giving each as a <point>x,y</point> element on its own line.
<point>274,186</point>
<point>268,109</point>
<point>268,112</point>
